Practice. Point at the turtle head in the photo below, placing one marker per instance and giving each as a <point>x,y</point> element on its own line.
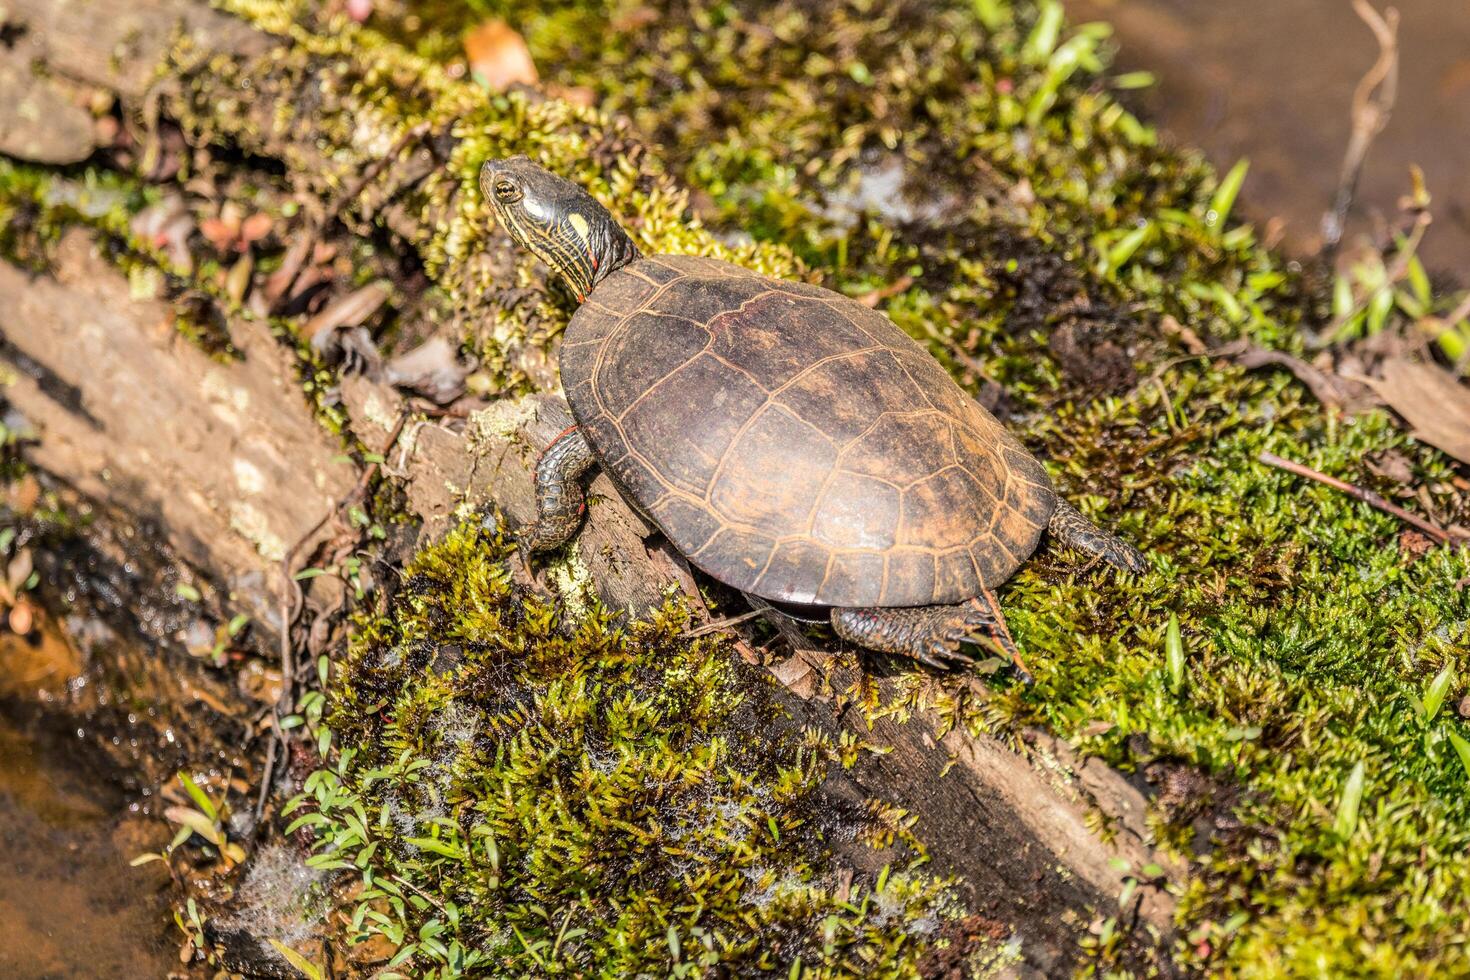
<point>558,221</point>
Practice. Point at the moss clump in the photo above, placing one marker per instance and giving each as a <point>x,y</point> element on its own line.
<point>522,794</point>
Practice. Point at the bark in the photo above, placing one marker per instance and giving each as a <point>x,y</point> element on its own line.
<point>229,462</point>
<point>225,456</point>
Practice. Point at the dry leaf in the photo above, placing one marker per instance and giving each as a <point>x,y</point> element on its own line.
<point>432,369</point>
<point>1392,465</point>
<point>21,619</point>
<point>19,570</point>
<point>499,57</point>
<point>1431,400</point>
<point>347,311</point>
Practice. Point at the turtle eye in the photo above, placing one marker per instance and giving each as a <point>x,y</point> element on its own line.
<point>507,192</point>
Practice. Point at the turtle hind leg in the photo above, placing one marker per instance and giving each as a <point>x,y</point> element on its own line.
<point>560,499</point>
<point>930,634</point>
<point>1070,528</point>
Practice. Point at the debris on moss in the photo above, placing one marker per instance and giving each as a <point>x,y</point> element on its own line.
<point>523,791</point>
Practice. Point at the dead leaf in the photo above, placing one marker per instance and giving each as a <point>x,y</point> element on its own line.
<point>24,493</point>
<point>1415,544</point>
<point>499,57</point>
<point>167,225</point>
<point>1431,400</point>
<point>575,94</point>
<point>21,618</point>
<point>1186,337</point>
<point>433,369</point>
<point>347,311</point>
<point>19,571</point>
<point>1392,465</point>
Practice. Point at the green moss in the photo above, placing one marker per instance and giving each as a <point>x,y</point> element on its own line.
<point>1309,638</point>
<point>523,792</point>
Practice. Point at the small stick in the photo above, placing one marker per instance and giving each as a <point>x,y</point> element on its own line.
<point>1373,101</point>
<point>290,608</point>
<point>719,624</point>
<point>1366,496</point>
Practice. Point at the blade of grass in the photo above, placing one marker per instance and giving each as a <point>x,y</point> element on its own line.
<point>1174,655</point>
<point>1224,199</point>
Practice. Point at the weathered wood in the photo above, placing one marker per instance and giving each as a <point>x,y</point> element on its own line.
<point>225,456</point>
<point>39,118</point>
<point>119,44</point>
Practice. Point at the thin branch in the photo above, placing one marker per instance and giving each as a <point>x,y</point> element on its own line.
<point>290,608</point>
<point>720,624</point>
<point>1366,496</point>
<point>1373,101</point>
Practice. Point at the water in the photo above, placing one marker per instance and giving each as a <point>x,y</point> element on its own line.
<point>70,905</point>
<point>1273,80</point>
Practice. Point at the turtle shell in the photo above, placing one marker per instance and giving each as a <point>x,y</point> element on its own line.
<point>795,444</point>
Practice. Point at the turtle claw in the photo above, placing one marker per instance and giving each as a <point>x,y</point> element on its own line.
<point>944,653</point>
<point>933,635</point>
<point>993,645</point>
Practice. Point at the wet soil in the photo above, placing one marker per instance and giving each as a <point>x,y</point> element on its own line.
<point>1274,82</point>
<point>70,904</point>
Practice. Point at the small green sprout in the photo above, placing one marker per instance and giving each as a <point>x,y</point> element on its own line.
<point>1174,654</point>
<point>205,818</point>
<point>1218,212</point>
<point>1349,802</point>
<point>308,969</point>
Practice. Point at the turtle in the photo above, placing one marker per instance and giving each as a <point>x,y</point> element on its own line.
<point>789,441</point>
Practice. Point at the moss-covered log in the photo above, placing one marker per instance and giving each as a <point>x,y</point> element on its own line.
<point>1299,753</point>
<point>1017,835</point>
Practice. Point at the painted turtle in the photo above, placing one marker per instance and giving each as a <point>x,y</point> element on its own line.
<point>790,442</point>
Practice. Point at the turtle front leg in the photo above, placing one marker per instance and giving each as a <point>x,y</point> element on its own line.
<point>560,499</point>
<point>931,634</point>
<point>1070,528</point>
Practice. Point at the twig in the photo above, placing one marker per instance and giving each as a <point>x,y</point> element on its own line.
<point>290,607</point>
<point>265,784</point>
<point>1373,101</point>
<point>872,298</point>
<point>969,360</point>
<point>1366,496</point>
<point>720,624</point>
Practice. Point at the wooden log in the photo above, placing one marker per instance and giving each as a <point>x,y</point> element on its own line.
<point>234,480</point>
<point>225,456</point>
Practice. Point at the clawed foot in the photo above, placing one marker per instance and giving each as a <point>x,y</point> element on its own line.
<point>932,635</point>
<point>979,629</point>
